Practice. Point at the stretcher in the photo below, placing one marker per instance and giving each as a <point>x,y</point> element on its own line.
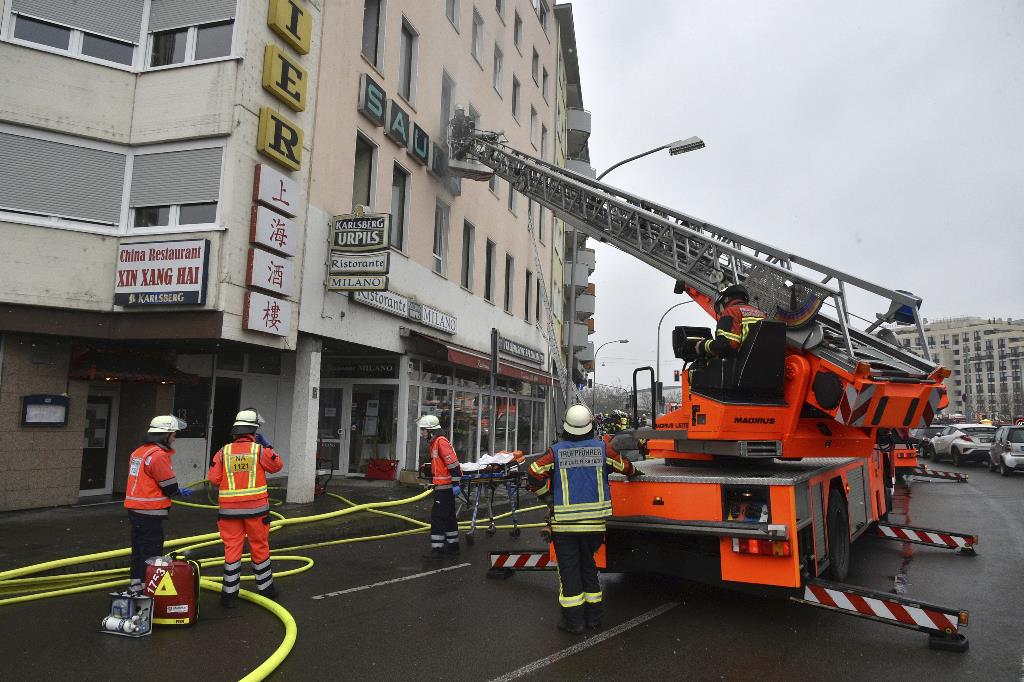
<point>481,479</point>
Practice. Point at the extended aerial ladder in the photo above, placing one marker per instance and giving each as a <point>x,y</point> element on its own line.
<point>764,482</point>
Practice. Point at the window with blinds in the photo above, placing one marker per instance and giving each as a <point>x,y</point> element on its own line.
<point>104,30</point>
<point>176,188</point>
<point>184,31</point>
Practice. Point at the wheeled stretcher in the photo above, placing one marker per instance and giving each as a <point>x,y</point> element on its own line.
<point>481,479</point>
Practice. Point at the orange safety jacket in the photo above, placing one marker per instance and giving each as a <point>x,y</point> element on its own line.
<point>240,472</point>
<point>150,479</point>
<point>444,463</point>
<point>733,326</point>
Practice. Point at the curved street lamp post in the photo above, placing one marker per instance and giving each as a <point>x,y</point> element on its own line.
<point>606,343</point>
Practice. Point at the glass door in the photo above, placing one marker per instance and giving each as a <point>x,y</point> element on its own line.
<point>97,477</point>
<point>331,435</point>
<point>373,425</point>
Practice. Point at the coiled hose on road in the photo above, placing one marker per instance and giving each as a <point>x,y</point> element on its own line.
<point>28,586</point>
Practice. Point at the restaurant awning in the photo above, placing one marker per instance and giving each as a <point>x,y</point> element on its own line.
<point>480,360</point>
<point>111,364</point>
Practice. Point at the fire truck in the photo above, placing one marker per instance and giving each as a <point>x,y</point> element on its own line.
<point>775,461</point>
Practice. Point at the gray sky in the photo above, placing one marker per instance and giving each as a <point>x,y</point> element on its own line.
<point>885,139</point>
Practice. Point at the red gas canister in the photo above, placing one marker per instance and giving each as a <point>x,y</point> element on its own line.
<point>173,582</point>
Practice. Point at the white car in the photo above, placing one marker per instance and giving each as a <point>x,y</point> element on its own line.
<point>962,443</point>
<point>1007,451</point>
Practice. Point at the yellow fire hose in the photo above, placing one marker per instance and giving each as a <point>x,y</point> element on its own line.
<point>13,582</point>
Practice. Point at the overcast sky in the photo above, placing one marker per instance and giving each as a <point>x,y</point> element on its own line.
<point>885,139</point>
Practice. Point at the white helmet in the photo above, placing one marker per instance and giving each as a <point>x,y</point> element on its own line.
<point>429,421</point>
<point>249,417</point>
<point>166,424</point>
<point>578,420</point>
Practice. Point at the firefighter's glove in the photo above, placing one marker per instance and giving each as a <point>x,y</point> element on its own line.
<point>184,492</point>
<point>699,347</point>
<point>457,489</point>
<point>637,475</point>
<point>545,534</point>
<point>262,440</point>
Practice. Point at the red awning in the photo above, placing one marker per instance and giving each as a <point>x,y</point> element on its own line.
<point>467,357</point>
<point>98,364</point>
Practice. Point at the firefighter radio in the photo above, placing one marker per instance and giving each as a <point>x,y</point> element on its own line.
<point>173,583</point>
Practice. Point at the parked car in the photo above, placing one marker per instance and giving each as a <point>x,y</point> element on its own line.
<point>1007,450</point>
<point>963,443</point>
<point>923,439</point>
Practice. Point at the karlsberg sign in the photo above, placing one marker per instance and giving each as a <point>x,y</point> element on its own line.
<point>356,261</point>
<point>400,306</point>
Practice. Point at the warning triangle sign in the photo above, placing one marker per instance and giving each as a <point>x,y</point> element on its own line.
<point>166,587</point>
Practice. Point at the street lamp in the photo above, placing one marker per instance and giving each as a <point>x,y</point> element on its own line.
<point>606,343</point>
<point>678,147</point>
<point>657,347</point>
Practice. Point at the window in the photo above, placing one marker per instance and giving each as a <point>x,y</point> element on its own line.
<point>362,176</point>
<point>177,45</point>
<point>539,294</point>
<point>511,199</point>
<point>407,63</point>
<point>528,298</point>
<point>515,96</point>
<point>517,32</point>
<point>372,26</point>
<point>75,42</point>
<point>176,188</point>
<point>499,7</point>
<point>447,97</point>
<point>541,223</point>
<point>467,255</point>
<point>441,239</point>
<point>489,271</point>
<point>544,142</point>
<point>510,265</point>
<point>399,200</point>
<point>533,127</point>
<point>498,60</point>
<point>535,67</point>
<point>451,10</point>
<point>476,46</point>
<point>544,84</point>
<point>493,183</point>
<point>542,14</point>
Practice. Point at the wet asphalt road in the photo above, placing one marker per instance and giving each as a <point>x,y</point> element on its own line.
<point>414,621</point>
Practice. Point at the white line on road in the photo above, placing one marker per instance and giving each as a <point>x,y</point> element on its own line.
<point>586,644</point>
<point>389,582</point>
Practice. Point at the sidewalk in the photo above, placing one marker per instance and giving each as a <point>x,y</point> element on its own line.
<point>100,524</point>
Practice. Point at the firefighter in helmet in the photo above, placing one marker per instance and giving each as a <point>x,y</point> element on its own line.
<point>445,475</point>
<point>240,471</point>
<point>735,317</point>
<point>572,477</point>
<point>151,482</point>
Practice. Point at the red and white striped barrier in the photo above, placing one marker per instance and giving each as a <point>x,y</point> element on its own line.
<point>528,560</point>
<point>926,536</point>
<point>925,472</point>
<point>885,608</point>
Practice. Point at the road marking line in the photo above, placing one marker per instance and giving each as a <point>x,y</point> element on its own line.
<point>390,582</point>
<point>586,644</point>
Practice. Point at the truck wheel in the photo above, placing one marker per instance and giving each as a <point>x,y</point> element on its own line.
<point>954,457</point>
<point>838,537</point>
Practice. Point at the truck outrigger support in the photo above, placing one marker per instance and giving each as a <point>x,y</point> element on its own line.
<point>922,471</point>
<point>504,564</point>
<point>941,623</point>
<point>963,543</point>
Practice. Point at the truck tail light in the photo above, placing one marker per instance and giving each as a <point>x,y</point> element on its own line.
<point>760,547</point>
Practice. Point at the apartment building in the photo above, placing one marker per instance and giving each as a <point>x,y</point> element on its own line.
<point>174,173</point>
<point>985,356</point>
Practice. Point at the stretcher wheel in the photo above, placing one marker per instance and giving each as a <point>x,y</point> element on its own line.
<point>515,532</point>
<point>491,531</point>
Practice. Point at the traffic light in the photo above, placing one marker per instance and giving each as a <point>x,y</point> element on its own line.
<point>590,383</point>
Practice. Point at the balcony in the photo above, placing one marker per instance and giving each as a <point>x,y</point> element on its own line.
<point>581,168</point>
<point>585,305</point>
<point>586,257</point>
<point>587,354</point>
<point>577,121</point>
<point>579,334</point>
<point>580,275</point>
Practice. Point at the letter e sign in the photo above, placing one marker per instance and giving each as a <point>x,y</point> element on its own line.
<point>283,78</point>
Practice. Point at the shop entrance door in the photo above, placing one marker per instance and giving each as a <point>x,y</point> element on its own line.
<point>98,444</point>
<point>357,422</point>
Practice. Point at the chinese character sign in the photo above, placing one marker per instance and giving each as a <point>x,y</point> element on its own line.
<point>276,190</point>
<point>270,272</point>
<point>267,314</point>
<point>273,231</point>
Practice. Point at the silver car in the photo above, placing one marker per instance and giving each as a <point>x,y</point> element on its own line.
<point>962,443</point>
<point>1007,451</point>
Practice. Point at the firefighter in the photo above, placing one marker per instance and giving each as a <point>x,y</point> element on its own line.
<point>572,477</point>
<point>735,316</point>
<point>445,475</point>
<point>151,482</point>
<point>240,471</point>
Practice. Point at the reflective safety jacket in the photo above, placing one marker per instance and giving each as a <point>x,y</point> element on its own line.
<point>150,480</point>
<point>240,470</point>
<point>444,463</point>
<point>733,326</point>
<point>576,474</point>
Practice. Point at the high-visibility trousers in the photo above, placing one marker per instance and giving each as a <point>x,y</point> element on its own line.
<point>233,533</point>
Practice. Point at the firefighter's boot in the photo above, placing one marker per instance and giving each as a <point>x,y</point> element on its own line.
<point>434,553</point>
<point>592,614</point>
<point>572,620</point>
<point>228,599</point>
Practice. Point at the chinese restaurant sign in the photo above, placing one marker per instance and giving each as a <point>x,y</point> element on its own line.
<point>162,273</point>
<point>266,314</point>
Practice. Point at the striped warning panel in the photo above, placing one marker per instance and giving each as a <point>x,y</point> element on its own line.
<point>886,608</point>
<point>935,473</point>
<point>926,536</point>
<point>529,560</point>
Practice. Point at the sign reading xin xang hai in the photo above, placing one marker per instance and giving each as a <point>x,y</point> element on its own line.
<point>162,273</point>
